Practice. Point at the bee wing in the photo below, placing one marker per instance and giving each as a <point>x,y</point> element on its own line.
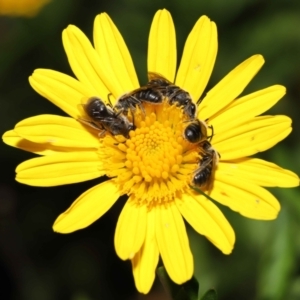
<point>205,164</point>
<point>112,120</point>
<point>132,93</point>
<point>156,76</point>
<point>92,124</point>
<point>84,100</point>
<point>81,106</point>
<point>158,81</point>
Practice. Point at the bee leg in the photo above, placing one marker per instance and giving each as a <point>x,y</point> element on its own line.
<point>121,111</point>
<point>141,107</point>
<point>171,101</point>
<point>132,116</point>
<point>101,134</point>
<point>137,102</point>
<point>173,95</point>
<point>212,133</point>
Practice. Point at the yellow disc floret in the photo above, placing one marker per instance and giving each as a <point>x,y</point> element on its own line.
<point>154,165</point>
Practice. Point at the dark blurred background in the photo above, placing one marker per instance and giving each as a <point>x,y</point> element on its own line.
<point>38,264</point>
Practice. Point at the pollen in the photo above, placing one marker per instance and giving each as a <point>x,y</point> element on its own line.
<point>155,163</point>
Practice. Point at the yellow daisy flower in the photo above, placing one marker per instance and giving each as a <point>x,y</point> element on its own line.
<point>27,8</point>
<point>153,166</point>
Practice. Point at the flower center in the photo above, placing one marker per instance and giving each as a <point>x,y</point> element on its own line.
<point>155,164</point>
<point>154,150</point>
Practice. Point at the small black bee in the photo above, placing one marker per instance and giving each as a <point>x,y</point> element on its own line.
<point>174,94</point>
<point>105,118</point>
<point>136,97</point>
<point>207,165</point>
<point>195,132</point>
<point>155,91</point>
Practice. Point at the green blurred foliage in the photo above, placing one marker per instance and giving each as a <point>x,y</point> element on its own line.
<point>189,290</point>
<point>37,264</point>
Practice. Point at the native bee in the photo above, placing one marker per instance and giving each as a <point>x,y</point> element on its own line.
<point>155,91</point>
<point>207,165</point>
<point>173,93</point>
<point>104,118</point>
<point>195,132</point>
<point>136,97</point>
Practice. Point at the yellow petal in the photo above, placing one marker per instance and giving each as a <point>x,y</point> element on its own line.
<point>131,229</point>
<point>62,90</point>
<point>57,131</point>
<point>254,136</point>
<point>198,57</point>
<point>60,169</point>
<point>145,261</point>
<point>229,87</point>
<point>244,197</point>
<point>21,8</point>
<point>117,69</point>
<point>173,243</point>
<point>11,138</point>
<point>207,220</point>
<point>88,208</point>
<point>84,61</point>
<point>247,107</point>
<point>258,172</point>
<point>162,45</point>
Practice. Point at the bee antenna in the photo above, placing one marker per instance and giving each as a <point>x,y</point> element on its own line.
<point>109,101</point>
<point>132,115</point>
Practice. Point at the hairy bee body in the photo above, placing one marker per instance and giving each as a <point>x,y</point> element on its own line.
<point>207,165</point>
<point>195,132</point>
<point>155,91</point>
<point>173,93</point>
<point>136,98</point>
<point>104,118</point>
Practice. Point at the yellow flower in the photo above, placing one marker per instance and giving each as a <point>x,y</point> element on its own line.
<point>154,165</point>
<point>27,8</point>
